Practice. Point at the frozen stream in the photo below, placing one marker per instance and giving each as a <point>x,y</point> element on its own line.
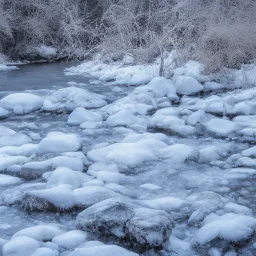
<point>191,171</point>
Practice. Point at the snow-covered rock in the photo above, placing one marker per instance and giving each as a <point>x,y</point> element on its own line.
<point>125,118</point>
<point>103,250</point>
<point>149,228</point>
<point>161,87</point>
<point>68,99</point>
<point>81,115</point>
<point>70,239</point>
<point>180,153</point>
<point>231,227</point>
<point>53,199</point>
<point>44,251</point>
<point>209,154</point>
<point>168,204</point>
<point>33,170</point>
<point>221,127</point>
<point>90,195</point>
<point>187,85</point>
<point>6,180</point>
<point>127,153</point>
<point>40,232</point>
<point>5,131</point>
<point>206,202</point>
<point>17,139</point>
<point>3,113</point>
<point>58,142</point>
<point>21,103</point>
<point>20,246</point>
<point>63,175</point>
<point>108,217</point>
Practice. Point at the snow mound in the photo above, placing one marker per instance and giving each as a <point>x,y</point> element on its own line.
<point>128,153</point>
<point>115,74</point>
<point>17,139</point>
<point>6,180</point>
<point>20,246</point>
<point>221,127</point>
<point>33,170</point>
<point>180,153</point>
<point>44,251</point>
<point>161,87</point>
<point>70,239</point>
<point>231,227</point>
<point>68,99</point>
<point>90,195</point>
<point>187,85</point>
<point>64,175</point>
<point>3,113</point>
<point>40,232</point>
<point>4,131</point>
<point>51,199</point>
<point>103,250</point>
<point>81,115</point>
<point>24,150</point>
<point>21,103</point>
<point>58,142</point>
<point>172,124</point>
<point>168,204</point>
<point>125,118</point>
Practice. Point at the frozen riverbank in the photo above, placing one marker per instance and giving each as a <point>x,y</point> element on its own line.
<point>166,167</point>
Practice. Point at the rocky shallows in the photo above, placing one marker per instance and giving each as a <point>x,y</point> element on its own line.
<point>164,168</point>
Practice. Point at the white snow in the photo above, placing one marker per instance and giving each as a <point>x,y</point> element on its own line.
<point>161,87</point>
<point>221,127</point>
<point>40,232</point>
<point>128,154</point>
<point>47,51</point>
<point>187,85</point>
<point>21,103</point>
<point>180,153</point>
<point>68,99</point>
<point>5,131</point>
<point>91,195</point>
<point>232,227</point>
<point>116,74</point>
<point>81,115</point>
<point>70,239</point>
<point>58,142</point>
<point>7,68</point>
<point>166,203</point>
<point>20,246</point>
<point>104,250</point>
<point>3,113</point>
<point>17,139</point>
<point>61,196</point>
<point>64,175</point>
<point>76,164</point>
<point>6,180</point>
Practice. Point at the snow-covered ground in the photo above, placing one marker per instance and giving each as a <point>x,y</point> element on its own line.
<point>166,167</point>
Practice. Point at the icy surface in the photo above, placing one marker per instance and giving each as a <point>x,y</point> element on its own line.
<point>98,167</point>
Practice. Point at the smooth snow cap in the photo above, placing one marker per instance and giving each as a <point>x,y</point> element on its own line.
<point>58,142</point>
<point>21,103</point>
<point>81,115</point>
<point>187,85</point>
